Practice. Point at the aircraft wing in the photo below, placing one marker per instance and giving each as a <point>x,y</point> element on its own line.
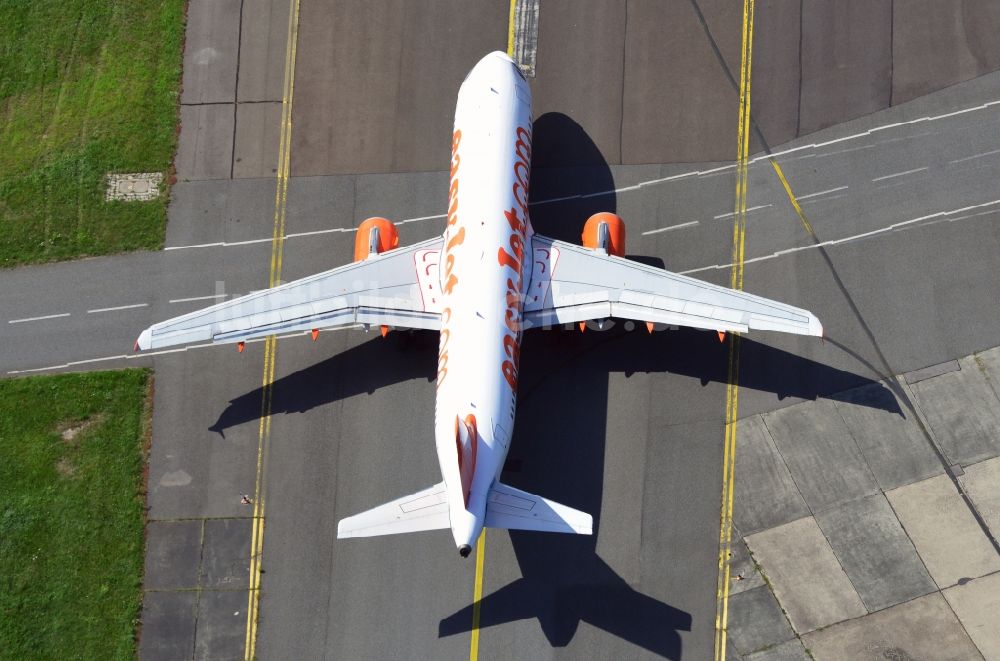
<point>398,288</point>
<point>571,283</point>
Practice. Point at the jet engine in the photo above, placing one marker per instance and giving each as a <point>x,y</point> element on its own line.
<point>605,231</point>
<point>375,235</point>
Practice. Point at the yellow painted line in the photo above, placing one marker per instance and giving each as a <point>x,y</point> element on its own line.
<point>510,28</point>
<point>271,343</point>
<point>477,595</point>
<point>732,388</point>
<point>791,198</point>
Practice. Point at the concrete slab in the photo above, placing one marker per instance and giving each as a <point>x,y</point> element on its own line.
<point>210,49</point>
<point>168,625</point>
<point>756,621</point>
<point>875,553</point>
<point>846,61</point>
<point>222,625</point>
<point>384,102</point>
<point>396,196</point>
<point>255,153</point>
<point>822,455</point>
<point>766,495</point>
<point>263,42</point>
<point>741,564</point>
<point>944,532</point>
<point>896,450</point>
<point>977,606</point>
<point>570,73</point>
<point>216,211</point>
<point>791,650</point>
<point>201,459</point>
<point>173,555</point>
<point>205,145</point>
<point>807,579</point>
<point>963,412</point>
<point>620,535</point>
<point>936,43</point>
<point>989,362</point>
<point>322,203</point>
<point>670,63</point>
<point>982,483</point>
<point>774,103</point>
<point>226,555</point>
<point>916,376</point>
<point>924,628</point>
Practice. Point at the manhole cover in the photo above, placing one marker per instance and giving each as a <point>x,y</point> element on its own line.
<point>135,186</point>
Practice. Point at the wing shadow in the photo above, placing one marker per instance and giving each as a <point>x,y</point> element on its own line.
<point>563,580</point>
<point>682,352</point>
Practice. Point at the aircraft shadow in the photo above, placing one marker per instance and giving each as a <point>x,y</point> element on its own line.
<point>563,580</point>
<point>364,369</point>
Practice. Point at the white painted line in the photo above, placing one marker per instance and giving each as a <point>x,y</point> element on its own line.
<point>886,127</point>
<point>640,185</point>
<point>941,216</point>
<point>220,244</point>
<point>133,356</point>
<point>196,298</point>
<point>845,151</point>
<point>672,227</point>
<point>822,199</point>
<point>897,174</point>
<point>969,158</point>
<point>48,316</point>
<point>733,213</point>
<point>822,192</point>
<point>120,307</point>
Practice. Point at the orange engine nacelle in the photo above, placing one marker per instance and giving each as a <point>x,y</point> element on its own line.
<point>605,231</point>
<point>368,241</point>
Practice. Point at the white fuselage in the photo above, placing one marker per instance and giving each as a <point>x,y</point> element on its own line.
<point>485,266</point>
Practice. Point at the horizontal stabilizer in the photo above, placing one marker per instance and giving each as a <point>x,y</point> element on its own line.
<point>424,510</point>
<point>507,507</point>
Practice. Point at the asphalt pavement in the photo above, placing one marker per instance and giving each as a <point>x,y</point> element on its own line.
<point>635,113</point>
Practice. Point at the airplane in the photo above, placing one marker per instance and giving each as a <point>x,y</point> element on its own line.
<point>481,284</point>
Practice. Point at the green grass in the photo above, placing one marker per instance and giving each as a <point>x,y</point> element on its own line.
<point>87,87</point>
<point>71,514</point>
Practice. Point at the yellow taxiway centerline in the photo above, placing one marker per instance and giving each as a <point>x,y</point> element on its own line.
<point>732,388</point>
<point>271,343</point>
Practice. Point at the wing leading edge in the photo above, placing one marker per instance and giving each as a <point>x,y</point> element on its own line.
<point>399,288</point>
<point>571,283</point>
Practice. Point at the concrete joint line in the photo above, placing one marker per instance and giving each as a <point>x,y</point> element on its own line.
<point>929,434</point>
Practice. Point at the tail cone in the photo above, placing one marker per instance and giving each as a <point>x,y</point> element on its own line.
<point>464,550</point>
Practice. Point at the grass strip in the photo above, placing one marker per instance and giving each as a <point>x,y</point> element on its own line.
<point>71,514</point>
<point>87,87</point>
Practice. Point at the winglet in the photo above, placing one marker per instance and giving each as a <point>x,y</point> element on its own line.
<point>144,341</point>
<point>815,327</point>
